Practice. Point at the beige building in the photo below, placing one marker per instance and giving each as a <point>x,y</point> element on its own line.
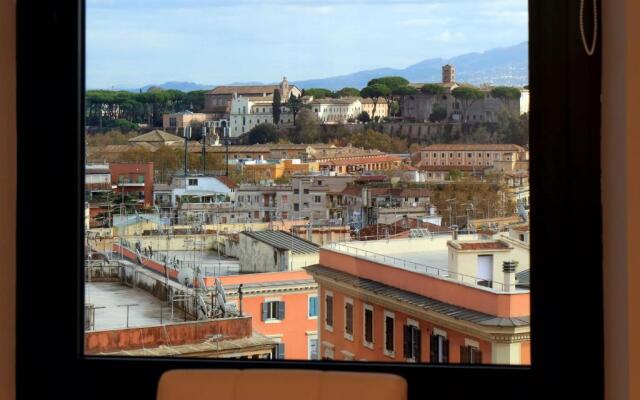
<point>272,251</point>
<point>382,108</point>
<point>336,111</point>
<point>470,154</point>
<point>177,121</point>
<point>218,100</point>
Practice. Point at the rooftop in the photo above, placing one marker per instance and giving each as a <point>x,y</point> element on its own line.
<point>156,136</point>
<point>473,147</point>
<point>284,241</point>
<point>415,299</point>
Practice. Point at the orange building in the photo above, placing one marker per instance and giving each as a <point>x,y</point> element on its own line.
<point>396,308</point>
<point>284,306</point>
<point>283,169</point>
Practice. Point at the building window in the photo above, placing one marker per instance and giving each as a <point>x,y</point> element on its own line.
<point>172,123</point>
<point>313,347</point>
<point>278,352</point>
<point>317,199</point>
<point>313,307</point>
<point>389,327</point>
<point>193,182</point>
<point>412,341</point>
<point>296,191</point>
<point>470,353</point>
<point>348,319</point>
<point>306,191</point>
<point>273,310</point>
<point>367,339</point>
<point>296,206</point>
<point>328,321</point>
<point>439,348</point>
<point>305,205</point>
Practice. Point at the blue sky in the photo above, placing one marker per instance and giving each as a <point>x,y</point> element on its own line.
<point>131,43</point>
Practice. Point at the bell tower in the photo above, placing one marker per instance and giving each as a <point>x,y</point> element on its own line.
<point>284,88</point>
<point>448,73</point>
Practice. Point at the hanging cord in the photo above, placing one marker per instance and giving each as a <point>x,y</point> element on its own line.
<point>587,49</point>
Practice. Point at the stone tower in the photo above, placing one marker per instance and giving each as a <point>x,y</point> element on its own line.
<point>448,73</point>
<point>284,88</point>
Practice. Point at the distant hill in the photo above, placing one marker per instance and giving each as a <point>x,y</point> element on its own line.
<point>499,66</point>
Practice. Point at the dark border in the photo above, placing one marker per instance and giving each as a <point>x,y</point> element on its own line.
<point>567,317</point>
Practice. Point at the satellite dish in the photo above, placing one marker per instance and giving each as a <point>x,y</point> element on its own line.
<point>186,276</point>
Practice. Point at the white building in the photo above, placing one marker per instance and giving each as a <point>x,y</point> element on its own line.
<point>247,112</point>
<point>193,188</point>
<point>336,111</point>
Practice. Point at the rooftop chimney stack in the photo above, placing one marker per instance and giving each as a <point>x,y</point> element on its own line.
<point>509,269</point>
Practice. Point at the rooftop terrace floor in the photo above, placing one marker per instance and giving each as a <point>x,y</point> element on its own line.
<point>114,297</point>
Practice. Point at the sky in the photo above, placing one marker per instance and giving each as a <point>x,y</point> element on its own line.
<point>131,43</point>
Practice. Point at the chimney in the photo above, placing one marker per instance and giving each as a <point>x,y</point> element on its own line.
<point>509,270</point>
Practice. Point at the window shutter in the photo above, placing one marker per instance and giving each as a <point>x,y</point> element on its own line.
<point>433,348</point>
<point>281,310</point>
<point>330,311</point>
<point>417,344</point>
<point>478,357</point>
<point>445,351</point>
<point>406,341</point>
<point>265,311</point>
<point>368,326</point>
<point>280,351</point>
<point>464,355</point>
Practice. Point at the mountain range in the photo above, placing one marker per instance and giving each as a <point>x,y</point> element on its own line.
<point>499,66</point>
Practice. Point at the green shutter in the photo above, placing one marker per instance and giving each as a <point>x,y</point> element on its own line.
<point>265,311</point>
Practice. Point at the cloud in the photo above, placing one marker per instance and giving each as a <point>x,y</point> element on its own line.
<point>448,36</point>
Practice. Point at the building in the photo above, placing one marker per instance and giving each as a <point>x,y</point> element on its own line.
<point>470,155</point>
<point>271,251</point>
<point>218,101</point>
<point>260,170</point>
<point>176,122</point>
<point>193,189</point>
<point>382,108</point>
<point>283,307</point>
<point>133,180</point>
<point>156,138</point>
<point>249,111</point>
<point>98,191</point>
<point>264,203</point>
<point>419,106</point>
<point>412,306</point>
<point>336,111</point>
<point>359,164</point>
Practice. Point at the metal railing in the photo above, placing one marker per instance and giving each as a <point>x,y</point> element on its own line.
<point>418,267</point>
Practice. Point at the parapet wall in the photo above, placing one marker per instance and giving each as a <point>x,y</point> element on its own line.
<point>169,335</point>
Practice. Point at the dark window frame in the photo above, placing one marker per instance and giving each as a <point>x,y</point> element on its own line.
<point>564,83</point>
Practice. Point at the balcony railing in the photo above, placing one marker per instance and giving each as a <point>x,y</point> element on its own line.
<point>440,273</point>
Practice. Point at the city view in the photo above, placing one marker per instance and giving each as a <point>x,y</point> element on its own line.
<point>285,180</point>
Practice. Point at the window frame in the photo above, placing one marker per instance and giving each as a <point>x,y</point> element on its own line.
<point>566,106</point>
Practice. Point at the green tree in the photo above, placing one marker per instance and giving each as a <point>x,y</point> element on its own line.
<point>454,175</point>
<point>295,105</point>
<point>364,117</point>
<point>438,113</point>
<point>306,129</point>
<point>396,85</point>
<point>466,96</point>
<point>165,162</point>
<point>506,94</point>
<point>348,92</point>
<point>432,88</point>
<point>318,93</point>
<point>276,106</point>
<point>262,133</point>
